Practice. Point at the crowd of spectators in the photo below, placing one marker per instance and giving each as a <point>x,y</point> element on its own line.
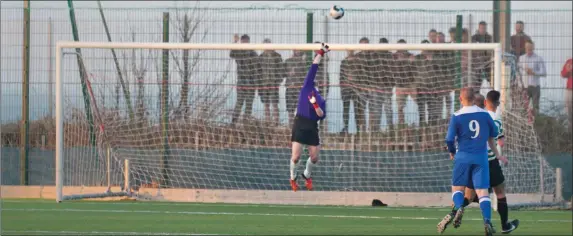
<point>369,78</point>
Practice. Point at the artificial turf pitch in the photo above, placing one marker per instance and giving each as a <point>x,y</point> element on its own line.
<point>33,217</point>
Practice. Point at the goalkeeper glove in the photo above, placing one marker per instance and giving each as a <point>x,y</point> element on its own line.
<point>312,100</point>
<point>323,50</point>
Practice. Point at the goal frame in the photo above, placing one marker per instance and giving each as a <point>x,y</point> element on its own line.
<point>62,45</point>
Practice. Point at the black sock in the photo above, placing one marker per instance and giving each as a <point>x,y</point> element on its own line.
<point>466,202</point>
<point>502,210</point>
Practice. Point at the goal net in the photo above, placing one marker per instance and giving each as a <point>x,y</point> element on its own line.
<point>211,123</point>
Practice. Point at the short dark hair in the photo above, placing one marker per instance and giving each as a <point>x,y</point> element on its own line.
<point>425,41</point>
<point>479,100</point>
<point>464,31</point>
<point>530,41</point>
<point>493,97</point>
<point>440,33</point>
<point>383,40</point>
<point>467,94</point>
<point>245,37</point>
<point>401,41</point>
<point>519,22</point>
<point>482,23</point>
<point>364,39</point>
<point>433,31</point>
<point>452,30</point>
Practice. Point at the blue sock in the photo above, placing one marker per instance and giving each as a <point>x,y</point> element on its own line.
<point>458,198</point>
<point>485,206</point>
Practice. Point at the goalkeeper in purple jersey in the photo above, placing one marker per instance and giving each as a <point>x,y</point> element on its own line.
<point>309,112</point>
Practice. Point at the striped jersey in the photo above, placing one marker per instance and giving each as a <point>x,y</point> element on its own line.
<point>497,121</point>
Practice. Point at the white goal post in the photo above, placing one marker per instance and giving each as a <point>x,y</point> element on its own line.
<point>256,195</point>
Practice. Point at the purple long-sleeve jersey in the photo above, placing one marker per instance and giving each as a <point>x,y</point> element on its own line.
<point>304,107</point>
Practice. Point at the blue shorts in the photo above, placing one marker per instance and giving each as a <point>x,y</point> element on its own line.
<point>471,175</point>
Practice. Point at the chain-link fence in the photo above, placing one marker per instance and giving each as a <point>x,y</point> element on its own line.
<point>549,29</point>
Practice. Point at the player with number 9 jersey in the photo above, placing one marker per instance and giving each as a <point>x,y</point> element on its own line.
<point>472,126</point>
<point>473,129</point>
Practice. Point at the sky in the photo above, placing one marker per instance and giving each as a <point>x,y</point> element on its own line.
<point>552,33</point>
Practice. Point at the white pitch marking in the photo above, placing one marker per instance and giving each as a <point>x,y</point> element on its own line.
<point>255,214</point>
<point>39,232</point>
<point>399,208</point>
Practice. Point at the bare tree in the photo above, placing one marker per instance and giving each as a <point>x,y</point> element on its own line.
<point>139,73</point>
<point>187,25</point>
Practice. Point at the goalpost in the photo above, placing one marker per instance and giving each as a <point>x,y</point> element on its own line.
<point>199,152</point>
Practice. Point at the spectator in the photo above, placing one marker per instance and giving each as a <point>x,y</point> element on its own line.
<point>347,91</point>
<point>465,61</point>
<point>248,73</point>
<point>465,36</point>
<point>481,60</point>
<point>567,73</point>
<point>518,40</point>
<point>444,64</point>
<point>532,69</point>
<point>404,80</point>
<point>362,76</point>
<point>273,74</point>
<point>433,36</point>
<point>384,83</point>
<point>422,76</point>
<point>295,68</point>
<point>452,33</point>
<point>441,37</point>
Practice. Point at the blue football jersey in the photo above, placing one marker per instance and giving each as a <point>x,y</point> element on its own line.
<point>471,127</point>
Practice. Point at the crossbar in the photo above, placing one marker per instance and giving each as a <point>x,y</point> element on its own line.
<point>304,46</point>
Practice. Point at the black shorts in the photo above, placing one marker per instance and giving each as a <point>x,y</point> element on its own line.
<point>305,131</point>
<point>495,174</point>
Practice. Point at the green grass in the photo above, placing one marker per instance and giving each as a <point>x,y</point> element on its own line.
<point>28,217</point>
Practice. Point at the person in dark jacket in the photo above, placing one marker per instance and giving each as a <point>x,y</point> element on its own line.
<point>481,59</point>
<point>248,74</point>
<point>272,77</point>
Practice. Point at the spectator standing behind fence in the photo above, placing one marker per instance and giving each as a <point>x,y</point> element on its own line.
<point>384,81</point>
<point>452,32</point>
<point>295,68</point>
<point>248,73</point>
<point>404,80</point>
<point>347,91</point>
<point>481,59</point>
<point>567,73</point>
<point>424,75</point>
<point>365,64</point>
<point>433,36</point>
<point>518,40</point>
<point>532,68</point>
<point>273,74</point>
<point>441,37</point>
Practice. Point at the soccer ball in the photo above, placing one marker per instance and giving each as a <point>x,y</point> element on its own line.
<point>336,12</point>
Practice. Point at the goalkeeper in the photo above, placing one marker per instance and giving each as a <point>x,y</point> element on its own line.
<point>310,110</point>
<point>496,178</point>
<point>474,129</point>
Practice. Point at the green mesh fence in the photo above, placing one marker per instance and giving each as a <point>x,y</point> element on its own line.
<point>550,29</point>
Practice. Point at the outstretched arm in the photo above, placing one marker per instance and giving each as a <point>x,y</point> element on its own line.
<point>309,80</point>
